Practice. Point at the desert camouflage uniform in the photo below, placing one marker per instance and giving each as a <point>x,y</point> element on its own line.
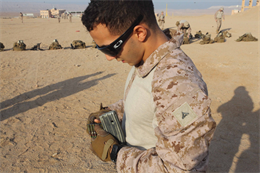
<point>219,15</point>
<point>180,118</point>
<point>161,21</point>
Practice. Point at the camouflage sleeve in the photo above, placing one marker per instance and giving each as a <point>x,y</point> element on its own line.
<point>184,124</point>
<point>119,108</point>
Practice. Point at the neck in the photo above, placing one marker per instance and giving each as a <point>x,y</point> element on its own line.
<point>156,38</point>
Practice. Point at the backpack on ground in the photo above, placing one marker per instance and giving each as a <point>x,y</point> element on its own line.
<point>206,39</point>
<point>220,38</point>
<point>19,46</point>
<point>55,45</point>
<point>2,46</point>
<point>198,34</point>
<point>78,44</point>
<point>247,37</point>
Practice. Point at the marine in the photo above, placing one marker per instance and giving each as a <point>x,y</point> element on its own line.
<point>165,110</point>
<point>219,15</point>
<point>161,20</point>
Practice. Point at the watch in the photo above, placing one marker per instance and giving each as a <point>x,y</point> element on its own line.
<point>114,152</point>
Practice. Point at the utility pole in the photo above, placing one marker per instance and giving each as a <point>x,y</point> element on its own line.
<point>166,10</point>
<point>250,4</point>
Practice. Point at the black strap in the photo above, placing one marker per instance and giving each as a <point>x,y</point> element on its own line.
<point>114,152</point>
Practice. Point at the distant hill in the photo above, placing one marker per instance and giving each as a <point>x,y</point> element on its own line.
<point>36,7</point>
<point>16,7</point>
<point>226,7</point>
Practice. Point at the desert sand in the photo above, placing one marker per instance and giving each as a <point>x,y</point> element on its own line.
<point>46,96</point>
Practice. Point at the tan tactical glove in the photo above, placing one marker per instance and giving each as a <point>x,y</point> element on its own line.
<point>92,117</point>
<point>102,144</point>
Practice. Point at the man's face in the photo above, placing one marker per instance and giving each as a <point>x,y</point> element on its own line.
<point>130,53</point>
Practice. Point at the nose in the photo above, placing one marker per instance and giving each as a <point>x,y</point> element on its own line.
<point>109,58</point>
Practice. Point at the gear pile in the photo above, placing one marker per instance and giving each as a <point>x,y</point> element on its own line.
<point>55,45</point>
<point>247,37</point>
<point>78,44</point>
<point>206,39</point>
<point>19,46</point>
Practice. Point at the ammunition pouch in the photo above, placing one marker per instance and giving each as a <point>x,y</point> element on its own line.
<point>102,143</point>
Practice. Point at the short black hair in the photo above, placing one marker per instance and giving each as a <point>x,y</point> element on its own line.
<point>118,15</point>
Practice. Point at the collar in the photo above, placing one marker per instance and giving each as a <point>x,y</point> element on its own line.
<point>159,54</point>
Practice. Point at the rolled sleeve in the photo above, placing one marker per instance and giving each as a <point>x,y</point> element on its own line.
<point>119,108</point>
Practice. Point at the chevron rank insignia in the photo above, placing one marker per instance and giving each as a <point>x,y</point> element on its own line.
<point>185,115</point>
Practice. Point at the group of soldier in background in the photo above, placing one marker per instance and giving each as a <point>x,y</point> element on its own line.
<point>184,27</point>
<point>55,45</point>
<point>65,16</point>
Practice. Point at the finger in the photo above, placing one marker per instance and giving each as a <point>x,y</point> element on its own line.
<point>93,117</point>
<point>97,121</point>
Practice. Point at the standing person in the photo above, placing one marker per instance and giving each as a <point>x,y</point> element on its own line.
<point>59,18</point>
<point>70,16</point>
<point>165,112</point>
<point>219,15</point>
<point>161,20</point>
<point>21,16</point>
<point>183,26</point>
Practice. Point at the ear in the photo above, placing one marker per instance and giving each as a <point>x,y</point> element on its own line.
<point>140,32</point>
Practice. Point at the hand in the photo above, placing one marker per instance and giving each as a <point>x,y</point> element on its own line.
<point>102,144</point>
<point>94,117</point>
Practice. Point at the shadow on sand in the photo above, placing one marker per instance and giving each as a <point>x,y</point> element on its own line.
<point>236,139</point>
<point>227,29</point>
<point>49,93</point>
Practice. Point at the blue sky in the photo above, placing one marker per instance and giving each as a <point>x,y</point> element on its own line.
<point>158,4</point>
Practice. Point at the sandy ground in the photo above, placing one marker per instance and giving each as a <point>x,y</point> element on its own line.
<point>47,95</point>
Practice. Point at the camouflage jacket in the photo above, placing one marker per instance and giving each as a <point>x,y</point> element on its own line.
<point>161,17</point>
<point>219,15</point>
<point>180,118</point>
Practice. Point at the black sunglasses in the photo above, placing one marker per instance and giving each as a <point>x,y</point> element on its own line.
<point>115,47</point>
